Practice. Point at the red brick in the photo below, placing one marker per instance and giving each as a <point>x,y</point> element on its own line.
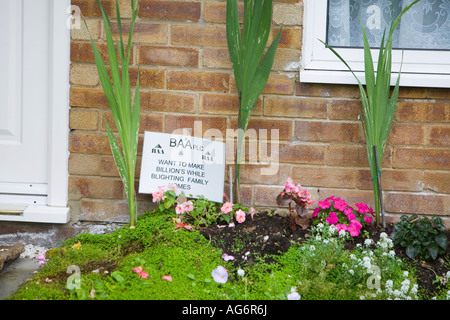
<point>217,58</point>
<point>88,97</point>
<point>257,174</point>
<point>218,103</point>
<point>84,164</point>
<point>353,155</point>
<point>148,78</point>
<point>175,123</point>
<point>320,131</point>
<point>167,101</point>
<point>291,38</point>
<point>315,176</point>
<point>104,211</point>
<point>417,203</point>
<point>421,158</point>
<point>327,90</point>
<point>82,119</point>
<point>344,109</point>
<point>266,196</point>
<point>295,107</point>
<point>393,180</point>
<point>209,35</point>
<point>422,111</point>
<point>90,8</point>
<point>148,122</point>
<point>143,32</point>
<point>168,56</point>
<point>83,52</point>
<point>439,135</point>
<point>408,134</point>
<point>169,10</point>
<point>93,187</point>
<point>412,93</point>
<point>284,127</point>
<point>439,93</point>
<point>437,181</point>
<point>302,153</point>
<point>89,143</point>
<point>279,84</point>
<point>198,81</point>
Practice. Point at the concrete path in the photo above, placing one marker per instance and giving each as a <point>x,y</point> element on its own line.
<point>16,274</point>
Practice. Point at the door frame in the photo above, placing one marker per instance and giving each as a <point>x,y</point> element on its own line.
<point>56,210</point>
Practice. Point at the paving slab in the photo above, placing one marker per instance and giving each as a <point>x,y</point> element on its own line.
<point>16,274</point>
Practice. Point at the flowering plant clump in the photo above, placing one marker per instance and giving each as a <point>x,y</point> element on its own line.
<point>298,200</point>
<point>337,212</point>
<point>201,211</point>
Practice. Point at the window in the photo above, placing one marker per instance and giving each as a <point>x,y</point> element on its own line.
<point>423,36</point>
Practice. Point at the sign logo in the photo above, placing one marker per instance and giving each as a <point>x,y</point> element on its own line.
<point>158,149</point>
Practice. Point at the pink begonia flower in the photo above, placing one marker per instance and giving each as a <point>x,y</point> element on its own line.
<point>362,207</point>
<point>354,228</point>
<point>368,219</point>
<point>240,216</point>
<point>289,185</point>
<point>227,207</point>
<point>341,226</point>
<point>158,196</point>
<point>41,258</point>
<point>227,257</point>
<point>168,278</point>
<point>252,212</point>
<point>324,204</point>
<point>188,206</point>
<point>179,209</point>
<point>332,219</point>
<point>183,225</point>
<point>316,211</point>
<point>340,204</point>
<point>172,187</point>
<point>220,274</point>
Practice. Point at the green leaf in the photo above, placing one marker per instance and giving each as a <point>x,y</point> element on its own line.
<point>441,240</point>
<point>117,276</point>
<point>411,251</point>
<point>433,251</point>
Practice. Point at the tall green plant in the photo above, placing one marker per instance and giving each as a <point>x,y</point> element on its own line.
<point>378,107</point>
<point>126,113</point>
<point>251,66</point>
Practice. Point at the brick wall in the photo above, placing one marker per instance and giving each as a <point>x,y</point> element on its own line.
<point>186,76</point>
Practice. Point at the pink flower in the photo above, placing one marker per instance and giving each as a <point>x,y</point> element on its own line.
<point>227,257</point>
<point>188,206</point>
<point>240,216</point>
<point>362,207</point>
<point>348,211</point>
<point>316,211</point>
<point>324,204</point>
<point>140,272</point>
<point>341,226</point>
<point>179,209</point>
<point>340,204</point>
<point>289,185</point>
<point>354,228</point>
<point>227,207</point>
<point>183,225</point>
<point>351,216</point>
<point>168,278</point>
<point>332,219</point>
<point>252,212</point>
<point>158,196</point>
<point>368,219</point>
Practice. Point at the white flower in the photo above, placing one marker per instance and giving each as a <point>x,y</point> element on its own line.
<point>405,273</point>
<point>389,284</point>
<point>241,273</point>
<point>220,274</point>
<point>351,272</point>
<point>293,295</point>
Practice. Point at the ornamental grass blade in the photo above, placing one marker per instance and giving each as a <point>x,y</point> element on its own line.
<point>234,41</point>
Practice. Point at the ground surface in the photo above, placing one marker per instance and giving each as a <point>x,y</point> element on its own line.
<point>270,234</point>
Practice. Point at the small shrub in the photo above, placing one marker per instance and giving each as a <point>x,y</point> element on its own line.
<point>420,236</point>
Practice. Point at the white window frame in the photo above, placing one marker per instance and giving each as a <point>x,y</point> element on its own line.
<point>421,68</point>
<point>55,209</point>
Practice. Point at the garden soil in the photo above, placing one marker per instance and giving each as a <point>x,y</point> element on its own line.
<point>268,234</point>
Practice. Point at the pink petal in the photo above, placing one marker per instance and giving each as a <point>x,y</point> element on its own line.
<point>137,270</point>
<point>143,274</point>
<point>168,278</point>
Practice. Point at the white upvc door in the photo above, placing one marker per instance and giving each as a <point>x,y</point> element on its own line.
<point>34,84</point>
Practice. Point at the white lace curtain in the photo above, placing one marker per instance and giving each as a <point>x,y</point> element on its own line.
<point>425,26</point>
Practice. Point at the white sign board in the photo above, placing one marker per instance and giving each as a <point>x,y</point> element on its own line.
<point>195,165</point>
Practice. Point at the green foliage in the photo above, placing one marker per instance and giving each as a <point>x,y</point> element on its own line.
<point>251,66</point>
<point>421,236</point>
<point>126,113</point>
<point>378,107</point>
